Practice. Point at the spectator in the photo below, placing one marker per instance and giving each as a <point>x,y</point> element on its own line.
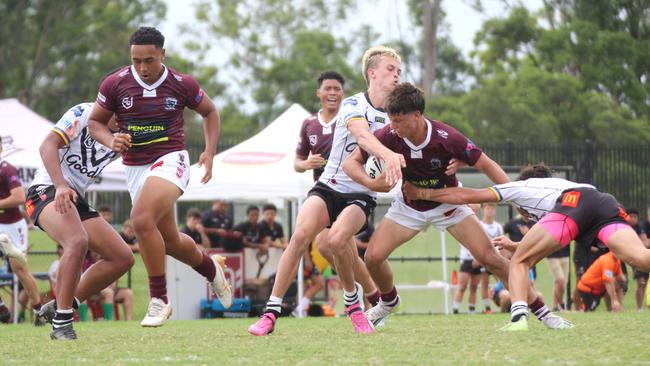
<point>558,263</point>
<point>313,281</point>
<point>249,230</point>
<point>271,231</point>
<point>492,229</point>
<point>128,235</point>
<point>598,280</point>
<point>106,212</point>
<point>194,229</point>
<point>640,276</point>
<point>216,223</point>
<point>583,257</point>
<point>471,272</point>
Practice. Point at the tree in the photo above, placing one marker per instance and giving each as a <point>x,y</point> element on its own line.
<point>54,53</point>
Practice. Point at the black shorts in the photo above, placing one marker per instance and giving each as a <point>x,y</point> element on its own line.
<point>466,266</point>
<point>589,301</point>
<point>639,274</point>
<point>337,201</point>
<point>41,195</point>
<point>591,210</point>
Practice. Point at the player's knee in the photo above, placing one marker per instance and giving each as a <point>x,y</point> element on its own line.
<point>299,238</point>
<point>76,245</point>
<point>335,242</point>
<point>372,260</point>
<point>142,221</point>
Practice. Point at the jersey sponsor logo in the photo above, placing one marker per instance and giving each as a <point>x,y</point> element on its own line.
<point>101,97</point>
<point>199,96</point>
<point>148,131</point>
<point>29,207</point>
<point>127,102</point>
<point>313,140</point>
<point>379,119</point>
<point>90,161</point>
<point>571,199</point>
<point>350,147</point>
<point>622,213</point>
<point>442,133</point>
<point>426,183</point>
<point>170,103</point>
<point>78,110</point>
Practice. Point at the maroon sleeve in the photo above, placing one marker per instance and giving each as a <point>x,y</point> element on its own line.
<point>194,94</point>
<point>303,141</point>
<point>10,176</point>
<point>106,97</point>
<point>461,147</point>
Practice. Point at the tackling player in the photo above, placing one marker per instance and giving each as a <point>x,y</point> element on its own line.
<point>313,150</point>
<point>564,211</point>
<point>148,100</point>
<point>336,200</point>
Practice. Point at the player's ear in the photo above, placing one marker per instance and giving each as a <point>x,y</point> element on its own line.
<point>162,52</point>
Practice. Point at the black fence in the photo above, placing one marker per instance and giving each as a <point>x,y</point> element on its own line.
<point>623,171</point>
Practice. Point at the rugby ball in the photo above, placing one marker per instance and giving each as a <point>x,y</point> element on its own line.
<point>374,166</point>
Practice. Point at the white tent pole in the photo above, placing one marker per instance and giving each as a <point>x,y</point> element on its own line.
<point>443,245</point>
<point>301,290</point>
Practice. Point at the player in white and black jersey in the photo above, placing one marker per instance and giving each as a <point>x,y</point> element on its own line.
<point>72,160</point>
<point>336,200</point>
<point>564,211</point>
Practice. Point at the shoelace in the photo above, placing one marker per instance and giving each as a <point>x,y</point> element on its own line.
<point>155,308</point>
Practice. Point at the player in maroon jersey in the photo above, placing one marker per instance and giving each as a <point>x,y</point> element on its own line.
<point>313,150</point>
<point>427,146</point>
<point>148,99</point>
<point>13,231</point>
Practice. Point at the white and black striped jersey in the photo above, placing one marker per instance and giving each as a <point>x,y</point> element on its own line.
<point>537,196</point>
<point>355,107</point>
<point>82,158</point>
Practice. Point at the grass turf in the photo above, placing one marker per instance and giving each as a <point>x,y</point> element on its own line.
<point>598,338</point>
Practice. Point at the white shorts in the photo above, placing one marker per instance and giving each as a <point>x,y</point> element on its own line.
<point>440,217</point>
<point>18,234</point>
<point>173,167</point>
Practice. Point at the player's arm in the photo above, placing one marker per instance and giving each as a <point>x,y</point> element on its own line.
<point>453,195</point>
<point>610,287</point>
<point>16,198</point>
<point>358,127</point>
<point>211,130</point>
<point>304,163</point>
<point>493,170</point>
<point>98,127</point>
<point>353,167</point>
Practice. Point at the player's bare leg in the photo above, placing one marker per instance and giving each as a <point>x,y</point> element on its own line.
<point>182,247</point>
<point>469,232</point>
<point>348,223</point>
<point>388,236</point>
<point>361,274</point>
<point>536,245</point>
<point>312,218</point>
<point>626,246</point>
<point>155,199</point>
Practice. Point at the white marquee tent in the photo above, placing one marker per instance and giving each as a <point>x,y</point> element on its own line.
<point>22,132</point>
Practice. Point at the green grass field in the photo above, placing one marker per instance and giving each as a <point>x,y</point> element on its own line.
<point>598,338</point>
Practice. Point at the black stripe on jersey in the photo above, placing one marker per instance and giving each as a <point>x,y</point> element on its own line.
<point>340,157</point>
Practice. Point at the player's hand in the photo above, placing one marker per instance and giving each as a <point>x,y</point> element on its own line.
<point>616,306</point>
<point>454,165</point>
<point>65,198</point>
<point>205,159</point>
<point>411,192</point>
<point>314,161</point>
<point>503,242</point>
<point>394,163</point>
<point>200,228</point>
<point>381,184</point>
<point>121,142</point>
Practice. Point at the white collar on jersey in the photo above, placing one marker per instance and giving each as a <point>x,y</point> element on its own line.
<point>426,141</point>
<point>154,85</point>
<point>322,122</point>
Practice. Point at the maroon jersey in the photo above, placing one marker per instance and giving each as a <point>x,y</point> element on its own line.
<point>316,138</point>
<point>151,114</point>
<point>9,180</point>
<point>426,163</point>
